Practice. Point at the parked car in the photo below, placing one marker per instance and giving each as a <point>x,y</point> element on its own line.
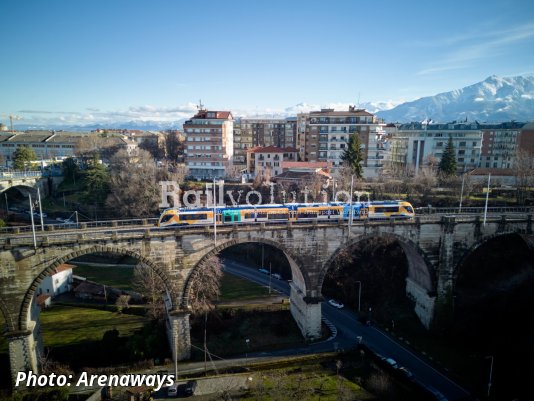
<point>264,271</point>
<point>276,276</point>
<point>406,373</point>
<point>190,387</point>
<point>336,304</point>
<point>391,362</point>
<point>172,391</point>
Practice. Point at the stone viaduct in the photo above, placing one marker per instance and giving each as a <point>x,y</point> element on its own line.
<point>435,247</point>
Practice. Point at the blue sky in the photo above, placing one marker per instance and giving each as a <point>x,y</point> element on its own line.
<point>69,61</point>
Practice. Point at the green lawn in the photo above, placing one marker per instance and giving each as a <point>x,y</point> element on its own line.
<point>116,276</point>
<point>66,325</point>
<point>306,382</point>
<point>235,288</point>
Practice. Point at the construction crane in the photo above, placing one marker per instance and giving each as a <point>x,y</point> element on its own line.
<point>11,118</point>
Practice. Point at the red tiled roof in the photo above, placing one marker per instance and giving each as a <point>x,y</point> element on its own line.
<point>62,267</point>
<point>306,165</point>
<point>224,115</point>
<point>271,149</point>
<point>503,172</point>
<point>41,299</point>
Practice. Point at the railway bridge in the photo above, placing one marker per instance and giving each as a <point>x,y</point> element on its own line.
<point>434,247</point>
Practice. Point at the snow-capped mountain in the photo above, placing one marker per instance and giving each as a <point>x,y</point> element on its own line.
<point>495,99</point>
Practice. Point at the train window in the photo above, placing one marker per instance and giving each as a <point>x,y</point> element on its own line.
<point>387,209</point>
<point>261,215</point>
<point>197,216</point>
<point>307,215</point>
<point>227,217</point>
<point>409,209</point>
<point>166,218</point>
<point>249,215</point>
<point>278,216</point>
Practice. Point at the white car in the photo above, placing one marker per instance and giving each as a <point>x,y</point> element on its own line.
<point>336,304</point>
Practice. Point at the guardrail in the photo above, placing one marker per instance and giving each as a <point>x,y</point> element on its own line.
<point>472,210</point>
<point>140,228</point>
<point>10,175</point>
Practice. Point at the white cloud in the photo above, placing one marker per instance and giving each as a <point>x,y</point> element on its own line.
<point>466,49</point>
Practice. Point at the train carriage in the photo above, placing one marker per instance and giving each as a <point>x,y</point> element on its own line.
<point>378,210</point>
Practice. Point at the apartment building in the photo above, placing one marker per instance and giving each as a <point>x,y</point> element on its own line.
<point>500,143</point>
<point>477,145</point>
<point>323,136</point>
<point>269,159</point>
<point>424,143</point>
<point>250,132</point>
<point>209,145</point>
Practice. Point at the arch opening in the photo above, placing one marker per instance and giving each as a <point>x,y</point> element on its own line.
<point>384,277</point>
<point>493,299</point>
<point>91,303</point>
<point>247,316</point>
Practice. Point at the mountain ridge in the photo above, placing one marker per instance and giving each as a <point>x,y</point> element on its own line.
<point>496,99</point>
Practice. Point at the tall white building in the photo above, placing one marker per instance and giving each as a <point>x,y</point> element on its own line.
<point>424,144</point>
<point>324,136</point>
<point>209,144</point>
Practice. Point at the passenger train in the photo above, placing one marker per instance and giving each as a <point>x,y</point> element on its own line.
<point>378,210</point>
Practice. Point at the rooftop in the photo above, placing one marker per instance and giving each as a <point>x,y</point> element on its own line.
<point>271,149</point>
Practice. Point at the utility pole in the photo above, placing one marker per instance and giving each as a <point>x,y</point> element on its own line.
<point>214,214</point>
<point>487,199</point>
<point>490,374</point>
<point>40,208</point>
<point>359,294</point>
<point>33,223</point>
<point>351,216</point>
<point>7,206</point>
<point>270,278</point>
<point>461,193</point>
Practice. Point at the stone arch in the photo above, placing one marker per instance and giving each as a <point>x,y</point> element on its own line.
<point>527,239</point>
<point>296,270</point>
<point>419,267</point>
<point>21,188</point>
<point>26,302</point>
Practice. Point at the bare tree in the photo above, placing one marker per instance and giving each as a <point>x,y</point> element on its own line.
<point>122,302</point>
<point>151,286</point>
<point>134,187</point>
<point>205,285</point>
<point>524,173</point>
<point>90,145</point>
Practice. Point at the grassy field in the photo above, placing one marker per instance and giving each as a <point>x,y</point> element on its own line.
<point>307,382</point>
<point>66,325</point>
<point>234,288</point>
<point>116,276</point>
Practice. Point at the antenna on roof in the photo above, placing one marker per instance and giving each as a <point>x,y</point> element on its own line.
<point>200,105</point>
<point>358,99</point>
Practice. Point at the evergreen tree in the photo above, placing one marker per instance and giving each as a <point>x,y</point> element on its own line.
<point>22,156</point>
<point>96,182</point>
<point>353,155</point>
<point>447,165</point>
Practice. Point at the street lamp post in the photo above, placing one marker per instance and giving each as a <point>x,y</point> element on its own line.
<point>360,295</point>
<point>490,373</point>
<point>247,341</point>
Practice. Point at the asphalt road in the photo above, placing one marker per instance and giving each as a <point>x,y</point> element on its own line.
<point>348,330</point>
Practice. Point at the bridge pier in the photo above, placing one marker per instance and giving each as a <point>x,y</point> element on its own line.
<point>444,302</point>
<point>307,312</point>
<point>178,333</point>
<point>24,351</point>
<point>424,303</point>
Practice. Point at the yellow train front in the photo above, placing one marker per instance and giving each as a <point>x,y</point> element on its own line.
<point>389,210</point>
